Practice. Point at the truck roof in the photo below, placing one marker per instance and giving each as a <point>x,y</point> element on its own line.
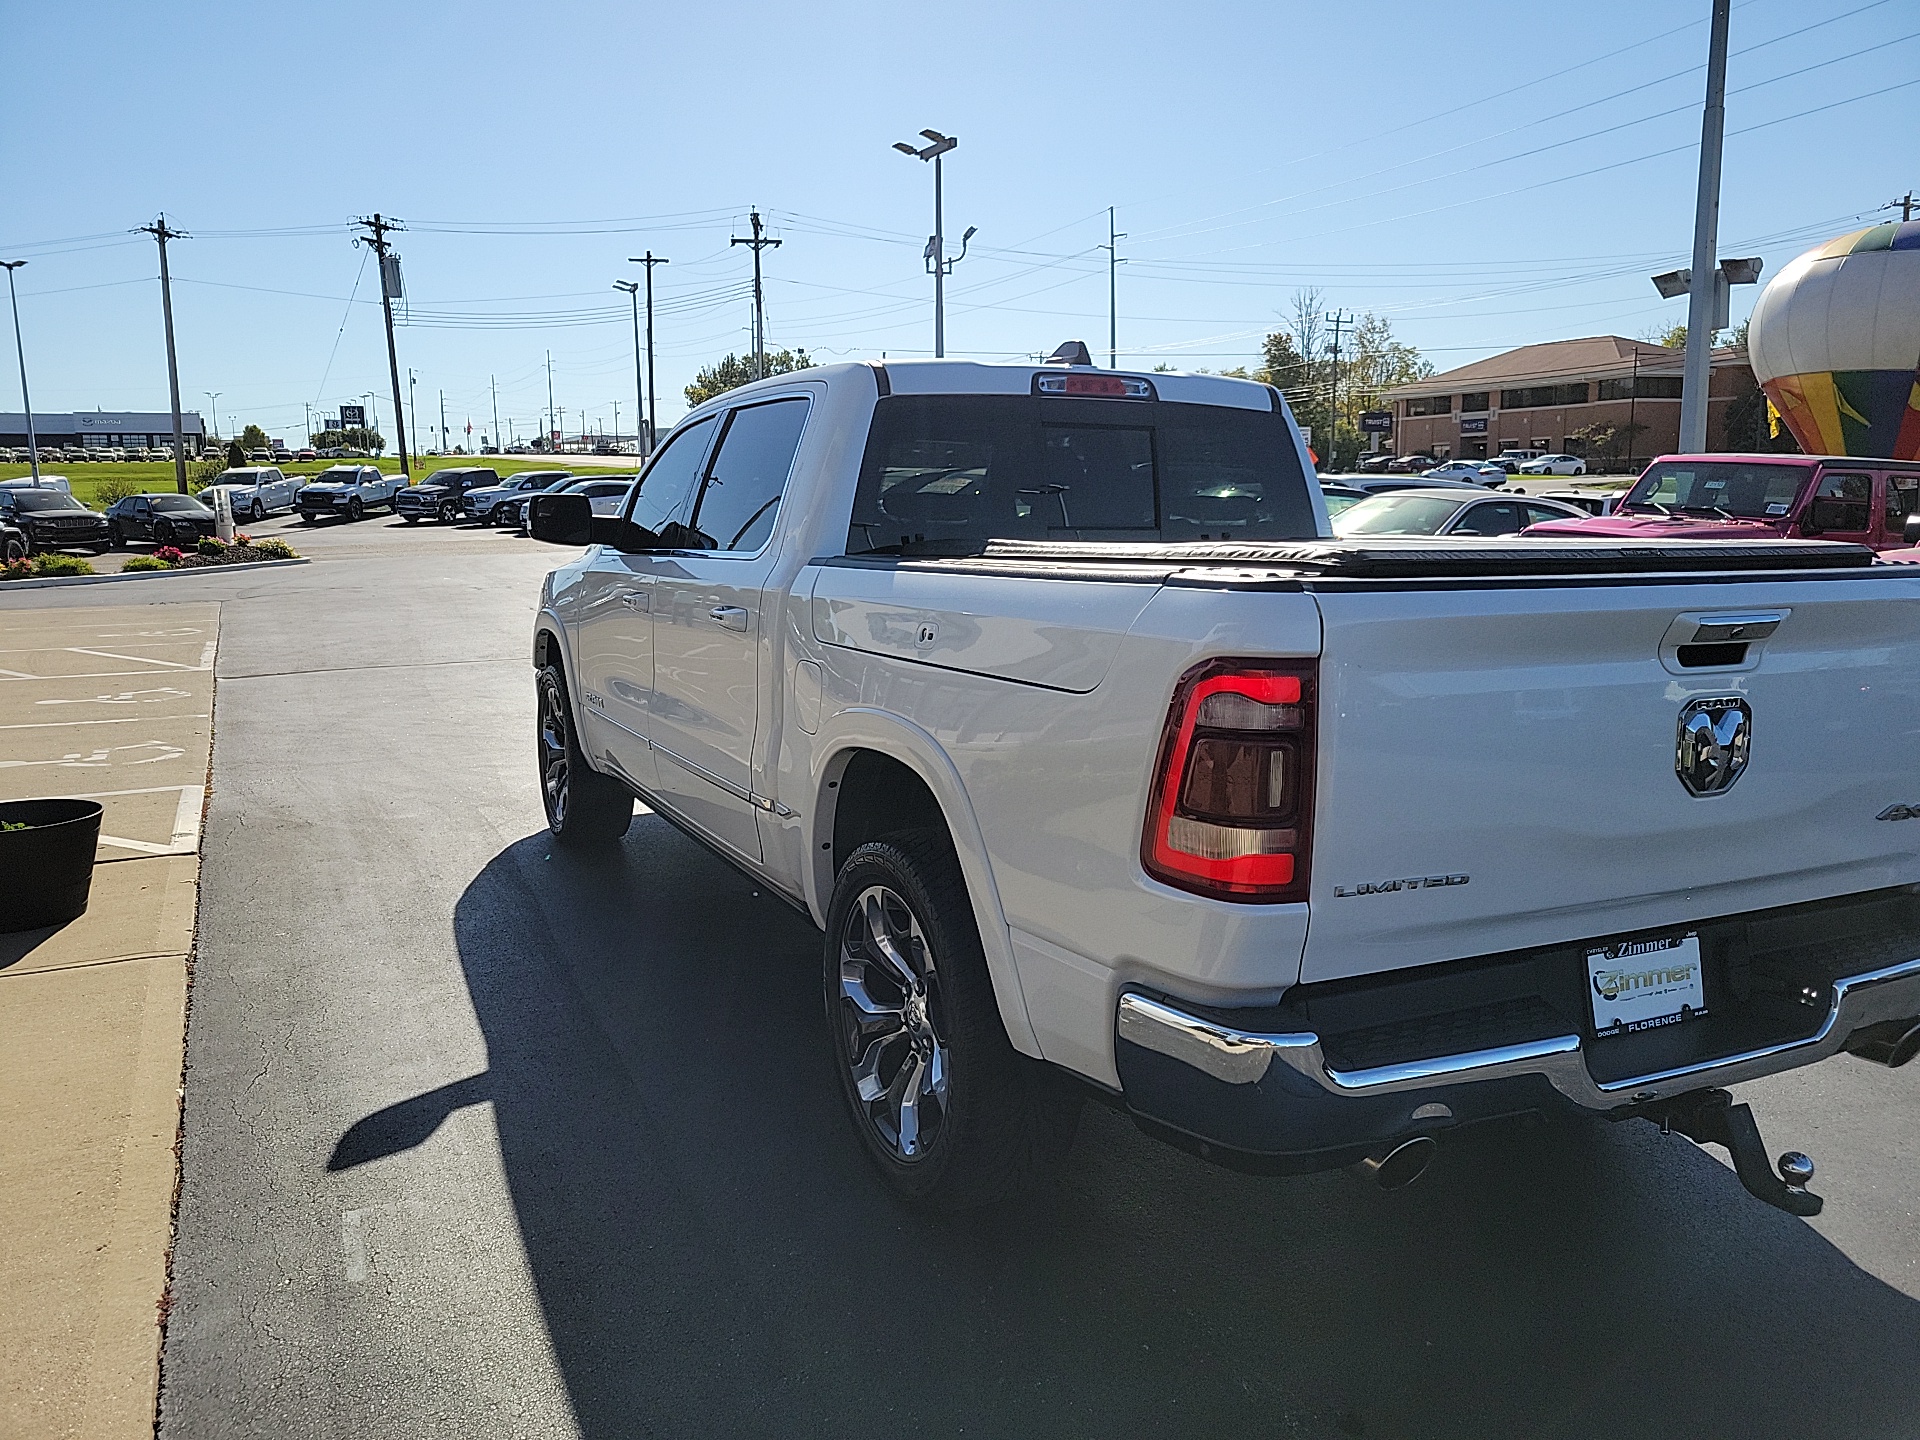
<point>977,377</point>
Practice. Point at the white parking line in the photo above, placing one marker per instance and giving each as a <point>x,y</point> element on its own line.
<point>354,1242</point>
<point>186,820</point>
<point>206,658</point>
<point>119,720</point>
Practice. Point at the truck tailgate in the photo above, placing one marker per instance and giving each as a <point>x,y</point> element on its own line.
<point>1513,752</point>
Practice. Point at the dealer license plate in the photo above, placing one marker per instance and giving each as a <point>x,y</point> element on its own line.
<point>1644,984</point>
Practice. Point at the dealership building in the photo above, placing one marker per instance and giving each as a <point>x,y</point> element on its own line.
<point>1536,397</point>
<point>102,430</point>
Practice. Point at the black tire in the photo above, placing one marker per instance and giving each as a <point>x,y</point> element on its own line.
<point>585,809</point>
<point>13,549</point>
<point>449,512</point>
<point>998,1120</point>
<point>258,512</point>
<point>355,510</point>
<point>115,540</point>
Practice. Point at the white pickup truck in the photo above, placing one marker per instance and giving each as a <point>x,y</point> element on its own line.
<point>1044,691</point>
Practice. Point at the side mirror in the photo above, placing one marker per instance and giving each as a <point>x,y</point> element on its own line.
<point>561,519</point>
<point>1910,532</point>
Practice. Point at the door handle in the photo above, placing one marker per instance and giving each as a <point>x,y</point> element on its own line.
<point>634,599</point>
<point>731,617</point>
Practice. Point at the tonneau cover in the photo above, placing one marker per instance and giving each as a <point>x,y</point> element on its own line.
<point>1385,557</point>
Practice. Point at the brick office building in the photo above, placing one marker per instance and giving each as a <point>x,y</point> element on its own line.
<point>1537,396</point>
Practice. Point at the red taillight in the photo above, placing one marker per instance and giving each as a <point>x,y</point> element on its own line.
<point>1232,807</point>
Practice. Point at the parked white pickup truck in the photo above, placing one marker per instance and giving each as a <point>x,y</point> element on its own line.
<point>253,493</point>
<point>1044,691</point>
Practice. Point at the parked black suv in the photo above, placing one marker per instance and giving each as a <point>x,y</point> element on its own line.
<point>52,519</point>
<point>440,493</point>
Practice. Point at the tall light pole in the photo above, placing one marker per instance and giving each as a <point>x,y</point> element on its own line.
<point>413,405</point>
<point>214,396</point>
<point>1703,284</point>
<point>373,412</point>
<point>632,287</point>
<point>936,252</point>
<point>163,232</point>
<point>652,426</point>
<point>33,444</point>
<point>494,386</point>
<point>552,429</point>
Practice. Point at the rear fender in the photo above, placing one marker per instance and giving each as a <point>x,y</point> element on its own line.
<point>862,728</point>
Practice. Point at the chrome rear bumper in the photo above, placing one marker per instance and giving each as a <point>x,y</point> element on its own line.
<point>1237,1058</point>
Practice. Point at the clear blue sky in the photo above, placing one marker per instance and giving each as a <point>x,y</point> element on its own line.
<point>1475,171</point>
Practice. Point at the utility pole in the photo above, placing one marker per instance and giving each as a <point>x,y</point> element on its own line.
<point>1336,322</point>
<point>1114,237</point>
<point>759,300</point>
<point>162,232</point>
<point>33,444</point>
<point>377,227</point>
<point>307,405</point>
<point>652,425</point>
<point>413,404</point>
<point>552,429</point>
<point>443,422</point>
<point>1905,203</point>
<point>1702,291</point>
<point>494,386</point>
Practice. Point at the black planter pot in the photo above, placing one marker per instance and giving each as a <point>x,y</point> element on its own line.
<point>46,870</point>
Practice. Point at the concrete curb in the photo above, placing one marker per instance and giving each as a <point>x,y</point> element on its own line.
<point>40,582</point>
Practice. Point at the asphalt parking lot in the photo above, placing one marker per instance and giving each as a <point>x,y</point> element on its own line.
<point>485,1139</point>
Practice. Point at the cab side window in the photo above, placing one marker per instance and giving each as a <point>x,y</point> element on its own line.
<point>1903,499</point>
<point>1855,492</point>
<point>660,497</point>
<point>748,475</point>
<point>1493,517</point>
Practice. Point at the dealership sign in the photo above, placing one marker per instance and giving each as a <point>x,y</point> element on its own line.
<point>1473,424</point>
<point>353,417</point>
<point>1376,422</point>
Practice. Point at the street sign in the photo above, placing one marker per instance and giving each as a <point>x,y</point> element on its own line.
<point>1376,422</point>
<point>352,416</point>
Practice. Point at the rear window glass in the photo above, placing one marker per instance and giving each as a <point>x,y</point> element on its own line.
<point>944,474</point>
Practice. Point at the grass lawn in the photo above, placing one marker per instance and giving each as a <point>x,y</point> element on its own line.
<point>157,475</point>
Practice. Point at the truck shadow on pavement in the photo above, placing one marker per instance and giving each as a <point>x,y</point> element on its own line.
<point>713,1256</point>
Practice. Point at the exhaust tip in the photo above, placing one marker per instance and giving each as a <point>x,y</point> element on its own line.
<point>1891,1044</point>
<point>1400,1166</point>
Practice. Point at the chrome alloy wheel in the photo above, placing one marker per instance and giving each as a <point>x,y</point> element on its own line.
<point>890,1014</point>
<point>553,753</point>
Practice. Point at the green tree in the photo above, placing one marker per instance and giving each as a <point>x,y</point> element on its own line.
<point>1371,361</point>
<point>253,438</point>
<point>356,437</point>
<point>236,455</point>
<point>1610,443</point>
<point>735,371</point>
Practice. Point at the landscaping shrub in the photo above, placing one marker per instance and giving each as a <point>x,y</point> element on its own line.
<point>145,562</point>
<point>170,554</point>
<point>16,570</point>
<point>211,546</point>
<point>272,549</point>
<point>60,565</point>
<point>108,492</point>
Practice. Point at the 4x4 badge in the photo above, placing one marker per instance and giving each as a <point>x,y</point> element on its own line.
<point>1716,733</point>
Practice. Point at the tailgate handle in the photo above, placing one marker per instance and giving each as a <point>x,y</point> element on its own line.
<point>1733,629</point>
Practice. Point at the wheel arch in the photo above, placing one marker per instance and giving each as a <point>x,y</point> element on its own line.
<point>877,773</point>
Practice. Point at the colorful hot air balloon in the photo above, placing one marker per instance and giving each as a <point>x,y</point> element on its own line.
<point>1835,343</point>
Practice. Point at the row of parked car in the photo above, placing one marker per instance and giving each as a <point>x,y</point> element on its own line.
<point>1507,462</point>
<point>1875,503</point>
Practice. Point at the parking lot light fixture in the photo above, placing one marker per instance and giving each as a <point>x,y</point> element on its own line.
<point>632,287</point>
<point>26,400</point>
<point>938,265</point>
<point>214,397</point>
